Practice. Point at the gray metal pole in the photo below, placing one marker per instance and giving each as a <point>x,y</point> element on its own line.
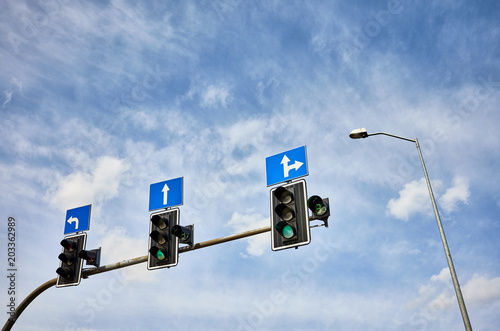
<point>126,263</point>
<point>454,278</point>
<point>10,322</point>
<point>461,302</point>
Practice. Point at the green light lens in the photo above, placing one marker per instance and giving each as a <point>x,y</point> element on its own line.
<point>320,209</point>
<point>288,231</point>
<point>159,255</point>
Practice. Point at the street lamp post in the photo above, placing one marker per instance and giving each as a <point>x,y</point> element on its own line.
<point>362,133</point>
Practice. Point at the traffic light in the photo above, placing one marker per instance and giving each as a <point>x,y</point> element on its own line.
<point>289,216</point>
<point>70,268</point>
<point>184,233</point>
<point>163,245</point>
<point>320,208</point>
<point>92,257</point>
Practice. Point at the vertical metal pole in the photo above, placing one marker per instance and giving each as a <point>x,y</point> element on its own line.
<point>454,277</point>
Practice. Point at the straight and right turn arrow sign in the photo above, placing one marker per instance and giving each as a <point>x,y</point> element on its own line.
<point>286,166</point>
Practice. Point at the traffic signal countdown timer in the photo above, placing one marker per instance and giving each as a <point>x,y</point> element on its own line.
<point>70,268</point>
<point>289,216</point>
<point>163,245</point>
<point>320,208</point>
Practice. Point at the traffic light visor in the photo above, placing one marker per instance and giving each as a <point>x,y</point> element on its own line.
<point>157,236</point>
<point>70,245</point>
<point>67,258</point>
<point>284,212</point>
<point>159,222</point>
<point>64,272</point>
<point>283,195</point>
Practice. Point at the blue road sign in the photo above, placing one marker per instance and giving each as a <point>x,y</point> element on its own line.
<point>165,194</point>
<point>77,219</point>
<point>286,166</point>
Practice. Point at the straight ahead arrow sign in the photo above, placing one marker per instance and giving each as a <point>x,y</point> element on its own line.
<point>165,193</point>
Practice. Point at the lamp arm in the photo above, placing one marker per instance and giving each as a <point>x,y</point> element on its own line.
<point>392,135</point>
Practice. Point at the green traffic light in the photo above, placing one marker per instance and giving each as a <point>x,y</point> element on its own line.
<point>320,210</point>
<point>317,205</point>
<point>158,253</point>
<point>288,232</point>
<point>285,229</point>
<point>160,256</point>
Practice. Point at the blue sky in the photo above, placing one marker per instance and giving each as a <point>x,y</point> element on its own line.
<point>101,99</point>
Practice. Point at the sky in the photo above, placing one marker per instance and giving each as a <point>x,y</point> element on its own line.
<point>101,99</point>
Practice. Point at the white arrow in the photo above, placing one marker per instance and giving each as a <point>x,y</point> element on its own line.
<point>165,194</point>
<point>286,167</point>
<point>73,220</point>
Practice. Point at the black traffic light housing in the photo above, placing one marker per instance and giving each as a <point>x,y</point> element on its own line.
<point>184,233</point>
<point>163,246</point>
<point>70,266</point>
<point>92,257</point>
<point>289,216</point>
<point>320,208</point>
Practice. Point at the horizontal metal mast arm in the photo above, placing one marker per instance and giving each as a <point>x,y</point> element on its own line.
<point>126,263</point>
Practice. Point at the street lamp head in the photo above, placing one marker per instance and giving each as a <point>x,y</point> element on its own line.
<point>358,133</point>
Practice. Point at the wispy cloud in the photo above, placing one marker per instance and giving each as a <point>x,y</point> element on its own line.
<point>8,97</point>
<point>438,294</point>
<point>215,96</point>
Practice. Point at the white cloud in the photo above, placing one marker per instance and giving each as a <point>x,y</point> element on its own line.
<point>439,293</point>
<point>215,96</point>
<point>245,222</point>
<point>427,293</point>
<point>443,276</point>
<point>459,192</point>
<point>414,197</point>
<point>8,97</point>
<point>481,290</point>
<point>118,246</point>
<point>82,187</point>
